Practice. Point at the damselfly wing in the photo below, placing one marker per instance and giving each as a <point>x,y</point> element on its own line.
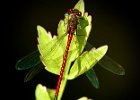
<point>33,60</point>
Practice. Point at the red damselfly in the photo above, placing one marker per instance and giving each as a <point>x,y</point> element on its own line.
<point>72,26</point>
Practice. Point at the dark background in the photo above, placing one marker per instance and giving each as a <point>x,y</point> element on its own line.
<point>115,23</point>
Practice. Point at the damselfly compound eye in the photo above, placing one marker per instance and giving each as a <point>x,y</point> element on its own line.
<point>70,11</point>
<point>79,14</point>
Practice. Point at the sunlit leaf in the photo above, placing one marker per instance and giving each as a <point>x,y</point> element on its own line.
<point>80,6</point>
<point>86,61</point>
<point>53,51</point>
<point>43,93</point>
<point>84,98</point>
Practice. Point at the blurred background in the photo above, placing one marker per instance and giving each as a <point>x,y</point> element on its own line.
<point>115,23</point>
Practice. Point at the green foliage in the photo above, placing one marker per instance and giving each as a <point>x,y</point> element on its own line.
<point>52,50</point>
<point>86,61</point>
<point>43,93</point>
<point>84,98</point>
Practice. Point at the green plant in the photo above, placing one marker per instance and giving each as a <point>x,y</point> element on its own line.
<point>51,50</point>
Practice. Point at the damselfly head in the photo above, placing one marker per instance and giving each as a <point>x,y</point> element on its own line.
<point>79,13</point>
<point>74,12</point>
<point>70,11</point>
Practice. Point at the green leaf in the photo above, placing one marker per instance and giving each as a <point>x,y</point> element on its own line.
<point>86,61</point>
<point>43,35</point>
<point>43,93</point>
<point>62,27</point>
<point>51,53</point>
<point>48,48</point>
<point>80,6</point>
<point>84,98</point>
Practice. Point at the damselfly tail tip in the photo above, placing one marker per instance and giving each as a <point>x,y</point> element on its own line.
<point>123,72</point>
<point>55,97</point>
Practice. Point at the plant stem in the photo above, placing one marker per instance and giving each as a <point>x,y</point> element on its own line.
<point>64,81</point>
<point>62,88</point>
